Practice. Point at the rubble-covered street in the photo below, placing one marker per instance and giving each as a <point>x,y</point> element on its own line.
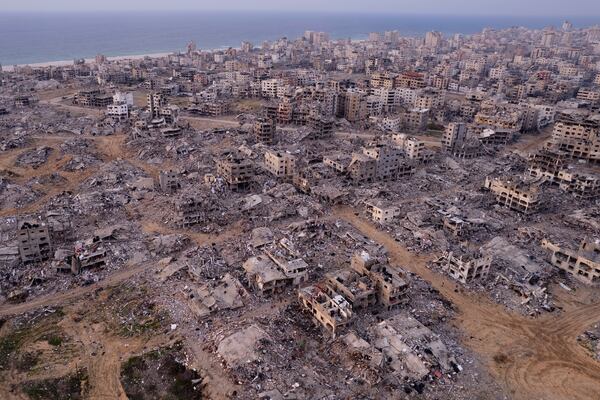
<point>313,219</point>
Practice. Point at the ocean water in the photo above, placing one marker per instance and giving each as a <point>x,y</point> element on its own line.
<point>42,37</point>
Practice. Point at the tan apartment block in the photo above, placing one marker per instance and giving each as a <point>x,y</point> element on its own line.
<point>235,170</point>
<point>280,164</point>
<point>466,269</point>
<point>516,195</point>
<point>327,307</point>
<point>583,264</point>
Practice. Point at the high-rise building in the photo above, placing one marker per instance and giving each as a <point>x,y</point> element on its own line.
<point>155,102</point>
<point>455,134</point>
<point>548,38</point>
<point>433,39</point>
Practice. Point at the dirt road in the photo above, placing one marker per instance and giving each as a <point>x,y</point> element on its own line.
<point>534,359</point>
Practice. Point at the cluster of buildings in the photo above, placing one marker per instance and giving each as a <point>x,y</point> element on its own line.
<point>427,137</point>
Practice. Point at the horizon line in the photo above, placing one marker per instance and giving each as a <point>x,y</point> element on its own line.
<point>335,12</point>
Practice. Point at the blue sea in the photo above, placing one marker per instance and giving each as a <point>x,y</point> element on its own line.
<point>42,37</point>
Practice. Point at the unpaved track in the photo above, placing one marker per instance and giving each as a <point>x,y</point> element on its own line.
<point>109,148</point>
<point>542,358</point>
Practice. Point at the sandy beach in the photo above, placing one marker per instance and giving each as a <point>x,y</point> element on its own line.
<point>63,63</point>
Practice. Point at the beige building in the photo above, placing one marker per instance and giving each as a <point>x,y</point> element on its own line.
<point>413,147</point>
<point>552,166</point>
<point>278,267</point>
<point>390,282</point>
<point>583,264</point>
<point>467,269</point>
<point>264,275</point>
<point>354,105</point>
<point>358,289</point>
<point>588,94</point>
<point>327,307</point>
<point>516,195</point>
<point>454,135</point>
<point>235,170</point>
<point>416,119</point>
<point>379,162</point>
<point>264,131</point>
<point>280,164</point>
<point>381,211</point>
<point>155,102</point>
<point>578,136</point>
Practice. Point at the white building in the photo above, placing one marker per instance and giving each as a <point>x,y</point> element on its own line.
<point>123,98</point>
<point>118,111</point>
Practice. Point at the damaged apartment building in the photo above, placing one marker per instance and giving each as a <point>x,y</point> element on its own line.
<point>235,170</point>
<point>377,163</point>
<point>554,167</point>
<point>368,282</point>
<point>280,164</point>
<point>516,194</point>
<point>466,268</point>
<point>578,135</point>
<point>168,181</point>
<point>277,268</point>
<point>34,240</point>
<point>264,131</point>
<point>583,263</point>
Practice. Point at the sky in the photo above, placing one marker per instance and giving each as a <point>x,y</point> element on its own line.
<point>449,7</point>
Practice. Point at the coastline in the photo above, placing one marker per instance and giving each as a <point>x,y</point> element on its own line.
<point>358,38</point>
<point>63,63</point>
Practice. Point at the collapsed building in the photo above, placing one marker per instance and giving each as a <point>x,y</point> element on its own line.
<point>390,281</point>
<point>264,131</point>
<point>321,127</point>
<point>277,268</point>
<point>327,307</point>
<point>280,164</point>
<point>413,148</point>
<point>401,346</point>
<point>552,165</point>
<point>381,211</point>
<point>169,181</point>
<point>92,98</point>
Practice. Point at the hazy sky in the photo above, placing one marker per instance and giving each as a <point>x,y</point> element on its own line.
<point>480,7</point>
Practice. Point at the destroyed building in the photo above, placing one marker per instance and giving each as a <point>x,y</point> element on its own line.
<point>264,131</point>
<point>277,268</point>
<point>553,167</point>
<point>381,211</point>
<point>327,307</point>
<point>583,264</point>
<point>169,181</point>
<point>34,241</point>
<point>578,136</point>
<point>517,195</point>
<point>92,98</point>
<point>236,170</point>
<point>378,163</point>
<point>467,268</point>
<point>391,282</point>
<point>321,127</point>
<point>280,164</point>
